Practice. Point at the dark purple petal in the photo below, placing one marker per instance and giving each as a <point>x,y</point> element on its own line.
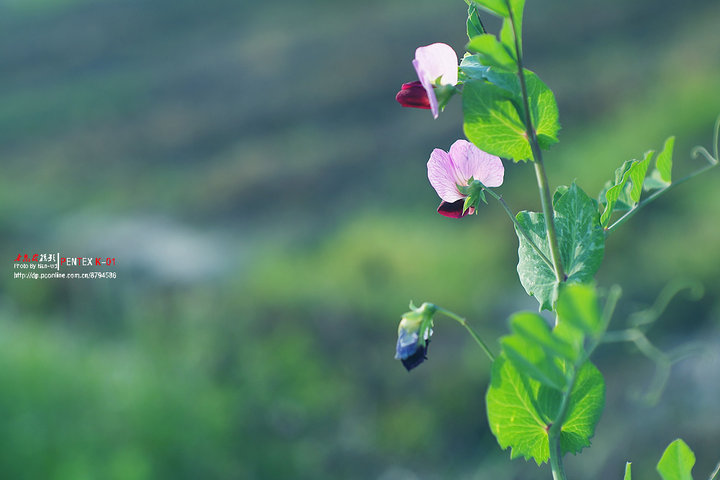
<point>416,358</point>
<point>454,209</point>
<point>413,94</point>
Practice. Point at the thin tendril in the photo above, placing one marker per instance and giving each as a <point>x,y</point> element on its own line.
<point>699,150</point>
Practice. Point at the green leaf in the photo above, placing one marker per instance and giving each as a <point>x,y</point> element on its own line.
<point>628,471</point>
<point>474,24</point>
<point>544,110</point>
<point>677,462</point>
<point>622,175</point>
<point>531,358</point>
<point>559,192</point>
<point>513,413</point>
<point>587,401</point>
<point>581,241</point>
<point>492,121</point>
<point>520,410</point>
<point>536,276</point>
<point>637,176</point>
<point>532,361</point>
<point>664,160</point>
<point>581,238</point>
<point>494,117</point>
<point>661,176</point>
<point>578,307</point>
<point>533,328</point>
<point>625,193</point>
<point>490,52</point>
<point>543,107</point>
<point>498,7</point>
<point>471,68</point>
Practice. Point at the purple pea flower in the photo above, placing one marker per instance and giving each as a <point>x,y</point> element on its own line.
<point>435,64</point>
<point>448,171</point>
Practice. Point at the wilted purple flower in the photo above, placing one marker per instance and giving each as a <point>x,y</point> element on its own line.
<point>448,171</point>
<point>414,334</point>
<point>435,64</point>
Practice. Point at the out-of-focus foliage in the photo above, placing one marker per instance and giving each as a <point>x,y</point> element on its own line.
<point>268,205</point>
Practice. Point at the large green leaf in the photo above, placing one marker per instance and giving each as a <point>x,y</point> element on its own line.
<point>520,410</point>
<point>543,107</point>
<point>492,121</point>
<point>587,401</point>
<point>581,238</point>
<point>536,276</point>
<point>491,111</point>
<point>581,241</point>
<point>628,471</point>
<point>677,462</point>
<point>514,415</point>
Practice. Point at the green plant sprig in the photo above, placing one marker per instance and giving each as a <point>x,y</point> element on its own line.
<point>545,396</point>
<point>713,162</point>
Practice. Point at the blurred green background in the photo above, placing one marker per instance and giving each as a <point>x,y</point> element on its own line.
<point>267,202</point>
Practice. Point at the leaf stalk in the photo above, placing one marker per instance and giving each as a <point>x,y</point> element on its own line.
<point>519,227</point>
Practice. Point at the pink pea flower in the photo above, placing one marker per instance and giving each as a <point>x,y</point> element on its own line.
<point>447,171</point>
<point>435,64</point>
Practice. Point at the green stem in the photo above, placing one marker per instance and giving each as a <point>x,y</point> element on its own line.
<point>543,185</point>
<point>716,472</point>
<point>470,330</point>
<point>556,464</point>
<point>555,430</point>
<point>556,455</point>
<point>519,227</point>
<point>546,202</point>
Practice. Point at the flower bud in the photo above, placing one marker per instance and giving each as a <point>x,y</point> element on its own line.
<point>414,334</point>
<point>413,94</point>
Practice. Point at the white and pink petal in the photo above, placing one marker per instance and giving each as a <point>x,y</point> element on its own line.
<point>442,176</point>
<point>433,62</point>
<point>473,162</point>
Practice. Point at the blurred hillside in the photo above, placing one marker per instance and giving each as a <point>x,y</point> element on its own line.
<point>267,202</point>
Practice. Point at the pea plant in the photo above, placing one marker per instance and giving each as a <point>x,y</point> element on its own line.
<point>545,396</point>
